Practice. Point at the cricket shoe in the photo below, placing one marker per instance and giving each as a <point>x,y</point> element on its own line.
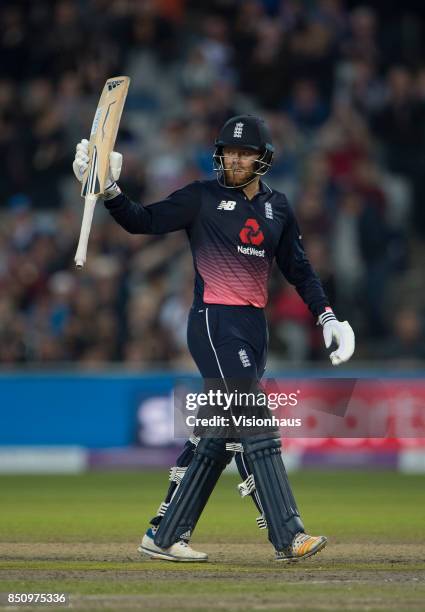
<point>302,546</point>
<point>180,551</point>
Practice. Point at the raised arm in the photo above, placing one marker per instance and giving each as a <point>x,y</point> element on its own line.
<point>176,212</point>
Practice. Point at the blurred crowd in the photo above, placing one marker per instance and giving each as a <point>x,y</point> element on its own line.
<point>343,89</point>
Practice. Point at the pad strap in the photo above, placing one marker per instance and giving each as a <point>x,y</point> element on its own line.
<point>177,473</point>
<point>235,447</point>
<point>247,486</point>
<point>261,522</point>
<point>162,509</point>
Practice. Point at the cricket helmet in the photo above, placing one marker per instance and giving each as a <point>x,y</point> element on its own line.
<point>248,132</point>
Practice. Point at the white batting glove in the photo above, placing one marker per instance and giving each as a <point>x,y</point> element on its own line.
<point>340,332</point>
<point>81,161</point>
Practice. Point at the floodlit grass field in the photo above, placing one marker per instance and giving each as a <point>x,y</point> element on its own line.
<point>79,534</point>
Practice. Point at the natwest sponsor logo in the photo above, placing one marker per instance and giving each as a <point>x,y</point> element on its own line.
<point>251,251</point>
<point>251,233</point>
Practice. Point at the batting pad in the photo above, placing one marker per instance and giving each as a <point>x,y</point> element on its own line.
<point>273,489</point>
<point>187,504</point>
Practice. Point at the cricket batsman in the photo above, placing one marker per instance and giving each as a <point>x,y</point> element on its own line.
<point>236,226</point>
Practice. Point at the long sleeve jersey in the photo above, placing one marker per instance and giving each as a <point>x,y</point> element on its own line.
<point>233,240</point>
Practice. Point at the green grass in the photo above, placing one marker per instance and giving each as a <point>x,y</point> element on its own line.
<point>113,507</point>
<point>108,512</point>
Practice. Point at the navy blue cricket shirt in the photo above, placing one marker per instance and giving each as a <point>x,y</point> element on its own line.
<point>233,240</point>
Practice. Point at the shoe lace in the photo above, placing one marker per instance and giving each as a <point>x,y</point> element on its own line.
<point>300,538</point>
<point>297,541</point>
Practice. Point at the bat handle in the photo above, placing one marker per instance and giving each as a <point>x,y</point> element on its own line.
<point>81,254</point>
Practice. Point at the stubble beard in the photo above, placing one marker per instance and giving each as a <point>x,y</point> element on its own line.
<point>237,178</point>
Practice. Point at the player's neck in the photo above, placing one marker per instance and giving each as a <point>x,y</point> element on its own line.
<point>252,188</point>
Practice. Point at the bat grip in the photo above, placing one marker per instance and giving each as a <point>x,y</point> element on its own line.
<point>81,254</point>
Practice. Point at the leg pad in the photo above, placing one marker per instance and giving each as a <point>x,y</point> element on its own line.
<point>194,490</point>
<point>272,486</point>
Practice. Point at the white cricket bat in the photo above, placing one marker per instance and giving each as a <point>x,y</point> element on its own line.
<point>102,140</point>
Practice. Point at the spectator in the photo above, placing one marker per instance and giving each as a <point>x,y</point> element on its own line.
<point>347,119</point>
<point>407,339</point>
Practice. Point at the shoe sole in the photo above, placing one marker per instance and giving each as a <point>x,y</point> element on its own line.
<point>320,547</point>
<point>164,557</point>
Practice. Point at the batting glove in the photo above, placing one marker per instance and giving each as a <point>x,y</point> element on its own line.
<point>339,332</point>
<point>81,162</point>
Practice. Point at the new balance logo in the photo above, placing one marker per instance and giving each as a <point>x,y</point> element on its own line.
<point>268,210</point>
<point>243,356</point>
<point>237,132</point>
<point>226,205</point>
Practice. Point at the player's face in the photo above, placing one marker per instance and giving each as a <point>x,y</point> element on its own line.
<point>238,164</point>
